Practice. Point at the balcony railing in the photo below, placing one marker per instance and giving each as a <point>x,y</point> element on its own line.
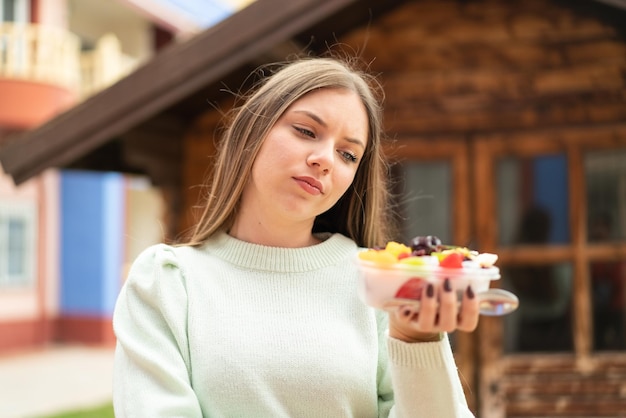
<point>40,53</point>
<point>52,55</point>
<point>103,65</point>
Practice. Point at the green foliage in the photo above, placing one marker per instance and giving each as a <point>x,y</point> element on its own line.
<point>104,411</point>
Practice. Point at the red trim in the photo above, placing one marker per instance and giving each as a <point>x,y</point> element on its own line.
<point>42,259</point>
<point>85,330</point>
<point>34,11</point>
<point>29,334</point>
<point>162,37</point>
<point>22,334</point>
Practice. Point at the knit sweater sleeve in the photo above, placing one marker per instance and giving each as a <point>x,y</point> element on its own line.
<point>418,380</point>
<point>151,368</point>
<point>385,386</point>
<point>426,380</point>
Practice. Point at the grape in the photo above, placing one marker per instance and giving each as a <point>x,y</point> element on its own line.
<point>425,245</point>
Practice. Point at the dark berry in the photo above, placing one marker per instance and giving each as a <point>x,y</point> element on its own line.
<point>427,244</point>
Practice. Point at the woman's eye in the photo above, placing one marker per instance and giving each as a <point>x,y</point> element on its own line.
<point>305,132</point>
<point>349,156</point>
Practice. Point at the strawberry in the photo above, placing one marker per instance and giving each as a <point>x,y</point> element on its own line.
<point>452,261</point>
<point>403,255</point>
<point>411,289</point>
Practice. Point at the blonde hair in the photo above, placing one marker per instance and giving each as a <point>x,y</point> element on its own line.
<point>362,213</point>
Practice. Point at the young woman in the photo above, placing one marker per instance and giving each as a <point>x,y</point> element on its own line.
<point>257,315</point>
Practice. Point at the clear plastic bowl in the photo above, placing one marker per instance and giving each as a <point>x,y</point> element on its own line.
<point>379,284</point>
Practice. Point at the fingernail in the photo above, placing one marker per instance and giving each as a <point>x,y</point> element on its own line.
<point>447,286</point>
<point>430,290</point>
<point>470,292</point>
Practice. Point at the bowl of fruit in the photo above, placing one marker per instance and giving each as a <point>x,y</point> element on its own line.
<point>398,274</point>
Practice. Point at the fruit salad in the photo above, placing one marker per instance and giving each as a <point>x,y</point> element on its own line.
<point>400,271</point>
<point>430,251</point>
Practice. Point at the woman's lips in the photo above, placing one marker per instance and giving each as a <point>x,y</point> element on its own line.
<point>310,185</point>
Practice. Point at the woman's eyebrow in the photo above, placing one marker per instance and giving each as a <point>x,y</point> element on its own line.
<point>319,120</point>
<point>313,116</point>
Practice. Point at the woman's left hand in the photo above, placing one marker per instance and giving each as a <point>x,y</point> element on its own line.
<point>439,312</point>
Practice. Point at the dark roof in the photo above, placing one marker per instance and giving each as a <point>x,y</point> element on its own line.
<point>183,79</point>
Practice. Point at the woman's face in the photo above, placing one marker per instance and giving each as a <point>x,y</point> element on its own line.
<point>309,157</point>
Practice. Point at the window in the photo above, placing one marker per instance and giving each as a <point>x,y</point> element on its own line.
<point>605,176</point>
<point>532,200</point>
<point>543,321</point>
<point>426,199</point>
<point>17,244</point>
<point>14,41</point>
<point>533,211</point>
<point>14,11</point>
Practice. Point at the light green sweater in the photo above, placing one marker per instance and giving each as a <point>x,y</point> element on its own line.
<point>234,329</point>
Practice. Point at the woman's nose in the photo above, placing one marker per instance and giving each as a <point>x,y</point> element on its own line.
<point>322,158</point>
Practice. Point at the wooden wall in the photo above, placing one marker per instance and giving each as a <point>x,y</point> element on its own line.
<point>556,386</point>
<point>457,68</point>
<point>199,152</point>
<point>462,70</point>
<point>468,71</point>
<point>461,67</point>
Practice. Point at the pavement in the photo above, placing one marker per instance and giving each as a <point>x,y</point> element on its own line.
<point>54,379</point>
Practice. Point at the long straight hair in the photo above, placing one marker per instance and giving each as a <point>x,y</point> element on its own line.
<point>362,213</point>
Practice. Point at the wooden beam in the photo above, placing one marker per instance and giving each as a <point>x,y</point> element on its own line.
<point>491,393</point>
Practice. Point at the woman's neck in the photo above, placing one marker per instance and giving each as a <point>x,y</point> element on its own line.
<point>254,231</point>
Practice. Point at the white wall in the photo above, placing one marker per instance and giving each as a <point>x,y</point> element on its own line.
<point>145,212</point>
<point>31,302</point>
<point>52,12</point>
<point>91,19</point>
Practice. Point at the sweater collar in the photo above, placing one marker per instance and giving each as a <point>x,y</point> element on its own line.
<point>334,249</point>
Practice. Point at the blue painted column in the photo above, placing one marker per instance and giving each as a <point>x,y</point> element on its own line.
<point>92,252</point>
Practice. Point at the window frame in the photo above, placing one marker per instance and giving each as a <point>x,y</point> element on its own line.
<point>27,213</point>
<point>21,8</point>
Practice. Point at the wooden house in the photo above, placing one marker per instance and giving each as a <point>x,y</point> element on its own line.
<point>507,131</point>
